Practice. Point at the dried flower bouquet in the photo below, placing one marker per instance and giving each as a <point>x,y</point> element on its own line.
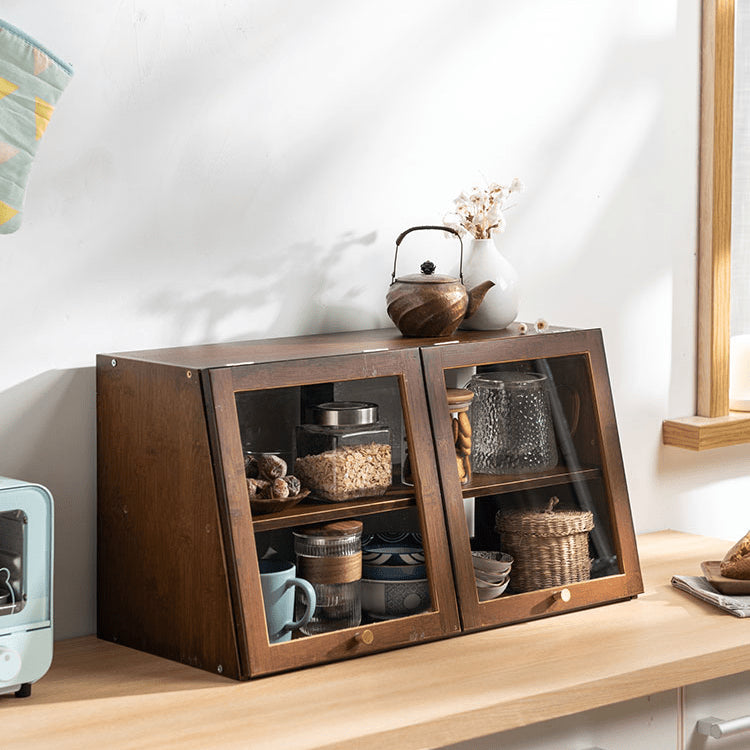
<point>480,212</point>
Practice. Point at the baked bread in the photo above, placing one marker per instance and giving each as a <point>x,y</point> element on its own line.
<point>736,563</point>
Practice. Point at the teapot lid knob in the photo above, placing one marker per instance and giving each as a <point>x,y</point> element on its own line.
<point>427,268</point>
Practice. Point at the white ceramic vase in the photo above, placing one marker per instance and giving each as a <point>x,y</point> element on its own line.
<point>483,261</point>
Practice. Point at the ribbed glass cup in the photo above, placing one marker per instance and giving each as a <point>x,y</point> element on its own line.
<point>332,562</point>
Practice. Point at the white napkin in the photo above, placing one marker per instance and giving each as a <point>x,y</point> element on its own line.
<point>699,587</point>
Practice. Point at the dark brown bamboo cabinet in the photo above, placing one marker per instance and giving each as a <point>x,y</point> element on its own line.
<point>178,545</point>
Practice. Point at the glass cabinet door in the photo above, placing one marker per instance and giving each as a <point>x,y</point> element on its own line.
<point>532,475</point>
<point>333,554</point>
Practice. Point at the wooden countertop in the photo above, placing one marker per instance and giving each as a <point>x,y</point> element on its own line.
<point>98,694</point>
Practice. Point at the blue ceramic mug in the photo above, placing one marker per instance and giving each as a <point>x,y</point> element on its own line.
<point>278,583</point>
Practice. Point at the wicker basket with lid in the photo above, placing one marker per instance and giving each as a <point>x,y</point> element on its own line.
<point>550,548</point>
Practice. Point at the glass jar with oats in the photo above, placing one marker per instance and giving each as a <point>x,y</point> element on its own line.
<point>345,452</point>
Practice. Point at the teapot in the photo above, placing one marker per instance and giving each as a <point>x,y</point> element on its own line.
<point>431,305</point>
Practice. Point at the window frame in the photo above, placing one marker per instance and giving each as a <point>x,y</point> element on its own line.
<point>714,425</point>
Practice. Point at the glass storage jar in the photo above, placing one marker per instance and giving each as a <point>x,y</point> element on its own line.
<point>330,558</point>
<point>345,452</point>
<point>511,419</point>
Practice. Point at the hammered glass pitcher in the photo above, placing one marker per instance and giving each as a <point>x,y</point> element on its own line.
<point>513,431</point>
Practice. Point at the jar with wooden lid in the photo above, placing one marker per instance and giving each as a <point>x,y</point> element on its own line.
<point>458,401</point>
<point>330,558</point>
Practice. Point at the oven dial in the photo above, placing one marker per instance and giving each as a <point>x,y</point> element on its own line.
<point>10,664</point>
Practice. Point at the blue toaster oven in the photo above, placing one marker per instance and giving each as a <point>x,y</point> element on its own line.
<point>26,548</point>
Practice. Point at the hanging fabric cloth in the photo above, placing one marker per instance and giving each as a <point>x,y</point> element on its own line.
<point>32,80</point>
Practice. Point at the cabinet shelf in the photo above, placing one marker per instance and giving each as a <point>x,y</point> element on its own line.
<point>396,498</point>
<point>499,484</point>
<point>400,497</point>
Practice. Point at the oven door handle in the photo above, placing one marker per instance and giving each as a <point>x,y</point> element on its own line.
<point>718,728</point>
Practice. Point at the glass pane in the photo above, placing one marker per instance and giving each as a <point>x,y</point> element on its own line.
<point>323,467</point>
<point>739,357</point>
<point>528,454</point>
<point>740,286</point>
<point>13,525</point>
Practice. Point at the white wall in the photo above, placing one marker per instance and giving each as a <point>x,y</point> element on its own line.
<point>222,171</point>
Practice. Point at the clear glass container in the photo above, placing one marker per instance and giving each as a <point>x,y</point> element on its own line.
<point>459,400</point>
<point>513,431</point>
<point>330,558</point>
<point>345,452</point>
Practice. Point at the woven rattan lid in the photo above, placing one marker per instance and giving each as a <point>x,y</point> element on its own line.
<point>547,522</point>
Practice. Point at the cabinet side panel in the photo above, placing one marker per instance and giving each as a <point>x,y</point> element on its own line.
<point>162,583</point>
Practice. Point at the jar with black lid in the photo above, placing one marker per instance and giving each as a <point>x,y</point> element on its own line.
<point>345,452</point>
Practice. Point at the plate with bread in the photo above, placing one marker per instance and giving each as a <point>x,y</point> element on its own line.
<point>732,574</point>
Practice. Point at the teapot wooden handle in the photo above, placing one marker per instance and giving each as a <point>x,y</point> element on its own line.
<point>403,234</point>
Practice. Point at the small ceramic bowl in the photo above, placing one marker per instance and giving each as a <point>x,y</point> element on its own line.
<point>394,572</point>
<point>392,537</point>
<point>486,554</point>
<point>386,599</point>
<point>499,564</point>
<point>493,578</point>
<point>386,554</point>
<point>484,584</point>
<point>486,591</point>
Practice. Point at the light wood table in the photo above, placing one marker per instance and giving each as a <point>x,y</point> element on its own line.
<point>99,695</point>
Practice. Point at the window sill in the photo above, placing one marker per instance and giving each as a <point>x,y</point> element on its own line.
<point>704,433</point>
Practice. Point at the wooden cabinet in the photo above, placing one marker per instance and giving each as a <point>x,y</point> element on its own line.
<point>179,545</point>
<point>587,475</point>
<point>664,720</point>
<point>724,702</point>
<point>647,723</point>
<point>396,377</point>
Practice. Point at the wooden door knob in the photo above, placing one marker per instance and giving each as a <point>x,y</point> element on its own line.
<point>366,637</point>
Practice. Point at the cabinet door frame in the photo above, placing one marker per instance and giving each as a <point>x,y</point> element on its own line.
<point>257,655</point>
<point>534,604</point>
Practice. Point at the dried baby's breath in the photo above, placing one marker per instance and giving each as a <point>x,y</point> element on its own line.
<point>480,211</point>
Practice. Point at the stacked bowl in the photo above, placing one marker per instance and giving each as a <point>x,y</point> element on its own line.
<point>394,581</point>
<point>491,573</point>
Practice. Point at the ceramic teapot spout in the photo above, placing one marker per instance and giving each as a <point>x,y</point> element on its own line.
<point>476,295</point>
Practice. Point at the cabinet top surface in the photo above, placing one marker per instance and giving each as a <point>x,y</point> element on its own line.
<point>426,696</point>
<point>230,353</point>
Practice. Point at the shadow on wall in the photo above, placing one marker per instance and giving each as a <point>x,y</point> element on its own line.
<point>48,436</point>
<point>275,292</point>
<point>48,422</point>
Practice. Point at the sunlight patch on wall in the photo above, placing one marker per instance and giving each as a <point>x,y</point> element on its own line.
<point>646,317</point>
<point>648,18</point>
<point>585,178</point>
